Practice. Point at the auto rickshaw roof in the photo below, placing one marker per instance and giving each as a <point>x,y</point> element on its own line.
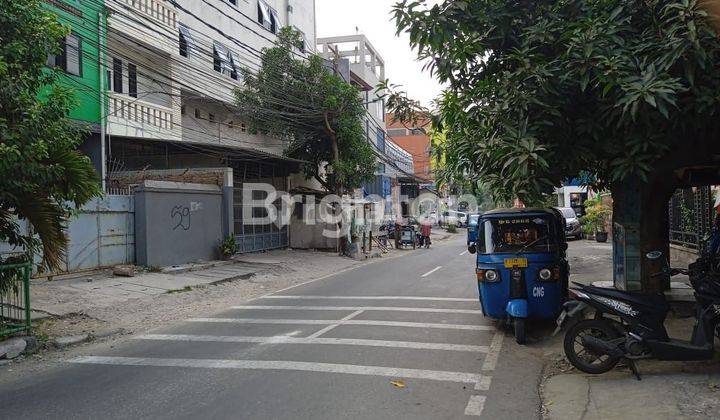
<point>534,211</point>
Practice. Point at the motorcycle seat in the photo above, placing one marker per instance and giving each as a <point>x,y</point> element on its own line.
<point>654,301</point>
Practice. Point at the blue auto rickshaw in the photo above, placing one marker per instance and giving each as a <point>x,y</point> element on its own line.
<point>472,230</point>
<point>522,267</point>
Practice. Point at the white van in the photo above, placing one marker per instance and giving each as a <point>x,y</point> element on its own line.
<point>452,217</point>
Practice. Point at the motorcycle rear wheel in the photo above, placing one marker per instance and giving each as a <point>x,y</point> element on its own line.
<point>584,359</point>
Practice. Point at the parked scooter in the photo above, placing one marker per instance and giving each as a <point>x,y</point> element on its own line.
<point>597,345</point>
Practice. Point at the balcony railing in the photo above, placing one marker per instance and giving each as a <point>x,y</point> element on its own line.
<point>141,112</point>
<point>157,9</point>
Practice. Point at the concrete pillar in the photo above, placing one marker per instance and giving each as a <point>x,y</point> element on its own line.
<point>228,213</point>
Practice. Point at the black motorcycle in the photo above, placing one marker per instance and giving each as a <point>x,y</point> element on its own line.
<point>629,326</point>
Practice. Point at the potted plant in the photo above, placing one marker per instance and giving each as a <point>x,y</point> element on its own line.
<point>595,219</point>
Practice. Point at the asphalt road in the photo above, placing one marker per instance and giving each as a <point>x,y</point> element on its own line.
<point>401,338</point>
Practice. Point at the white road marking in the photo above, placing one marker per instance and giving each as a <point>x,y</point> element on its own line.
<point>432,271</point>
<point>463,253</point>
<point>440,299</point>
<point>492,356</point>
<point>475,406</point>
<point>389,372</point>
<point>350,322</point>
<point>360,308</point>
<point>337,324</point>
<point>285,339</point>
<point>483,384</point>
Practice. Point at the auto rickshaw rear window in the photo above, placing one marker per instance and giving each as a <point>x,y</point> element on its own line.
<point>517,234</point>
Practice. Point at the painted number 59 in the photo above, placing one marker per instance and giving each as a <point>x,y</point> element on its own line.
<point>538,291</point>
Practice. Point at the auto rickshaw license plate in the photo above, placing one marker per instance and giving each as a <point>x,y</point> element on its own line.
<point>516,262</point>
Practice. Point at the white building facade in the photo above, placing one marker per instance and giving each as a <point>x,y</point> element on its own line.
<point>172,67</point>
<point>367,69</point>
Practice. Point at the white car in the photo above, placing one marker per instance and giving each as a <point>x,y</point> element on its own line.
<point>452,217</point>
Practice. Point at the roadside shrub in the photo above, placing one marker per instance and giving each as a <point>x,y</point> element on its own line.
<point>228,247</point>
<point>451,228</point>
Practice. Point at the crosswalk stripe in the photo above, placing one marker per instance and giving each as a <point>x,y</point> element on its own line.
<point>361,308</point>
<point>439,299</point>
<point>475,405</point>
<point>313,340</point>
<point>389,372</point>
<point>349,322</point>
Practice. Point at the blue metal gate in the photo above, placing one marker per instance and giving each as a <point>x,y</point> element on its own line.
<point>257,237</point>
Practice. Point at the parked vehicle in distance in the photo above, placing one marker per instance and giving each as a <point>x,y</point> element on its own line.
<point>522,269</point>
<point>452,217</point>
<point>472,231</point>
<point>573,228</point>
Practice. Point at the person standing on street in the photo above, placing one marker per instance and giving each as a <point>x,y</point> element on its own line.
<point>425,230</point>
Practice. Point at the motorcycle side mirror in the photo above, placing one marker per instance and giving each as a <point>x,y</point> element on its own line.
<point>654,255</point>
<point>472,249</point>
<point>564,246</point>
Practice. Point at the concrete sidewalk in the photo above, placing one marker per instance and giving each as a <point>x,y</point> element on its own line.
<point>668,390</point>
<point>62,297</point>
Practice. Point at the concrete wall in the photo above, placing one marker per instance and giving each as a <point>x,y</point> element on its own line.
<point>177,223</point>
<point>681,256</point>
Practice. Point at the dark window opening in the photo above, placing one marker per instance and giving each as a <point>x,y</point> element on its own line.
<point>211,117</point>
<point>217,63</point>
<point>132,80</point>
<point>183,45</point>
<point>197,113</point>
<point>117,75</point>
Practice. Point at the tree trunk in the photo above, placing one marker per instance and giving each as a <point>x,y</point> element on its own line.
<point>641,209</point>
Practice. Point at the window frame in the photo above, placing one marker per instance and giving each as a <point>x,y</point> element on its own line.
<point>79,54</point>
<point>61,60</point>
<point>222,61</point>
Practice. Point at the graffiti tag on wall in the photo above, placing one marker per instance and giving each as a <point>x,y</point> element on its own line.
<point>181,217</point>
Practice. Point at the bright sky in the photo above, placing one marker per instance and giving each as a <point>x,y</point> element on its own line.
<point>372,18</point>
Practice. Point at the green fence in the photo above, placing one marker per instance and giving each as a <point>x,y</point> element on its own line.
<point>14,298</point>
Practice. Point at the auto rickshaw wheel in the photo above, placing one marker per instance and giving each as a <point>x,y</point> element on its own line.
<point>519,326</point>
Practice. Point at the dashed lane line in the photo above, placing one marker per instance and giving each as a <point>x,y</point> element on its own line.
<point>388,372</point>
<point>463,253</point>
<point>360,308</point>
<point>348,322</point>
<point>284,339</point>
<point>432,271</point>
<point>439,299</point>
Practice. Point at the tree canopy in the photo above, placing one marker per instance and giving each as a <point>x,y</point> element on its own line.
<point>318,113</point>
<point>43,175</point>
<point>540,91</point>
